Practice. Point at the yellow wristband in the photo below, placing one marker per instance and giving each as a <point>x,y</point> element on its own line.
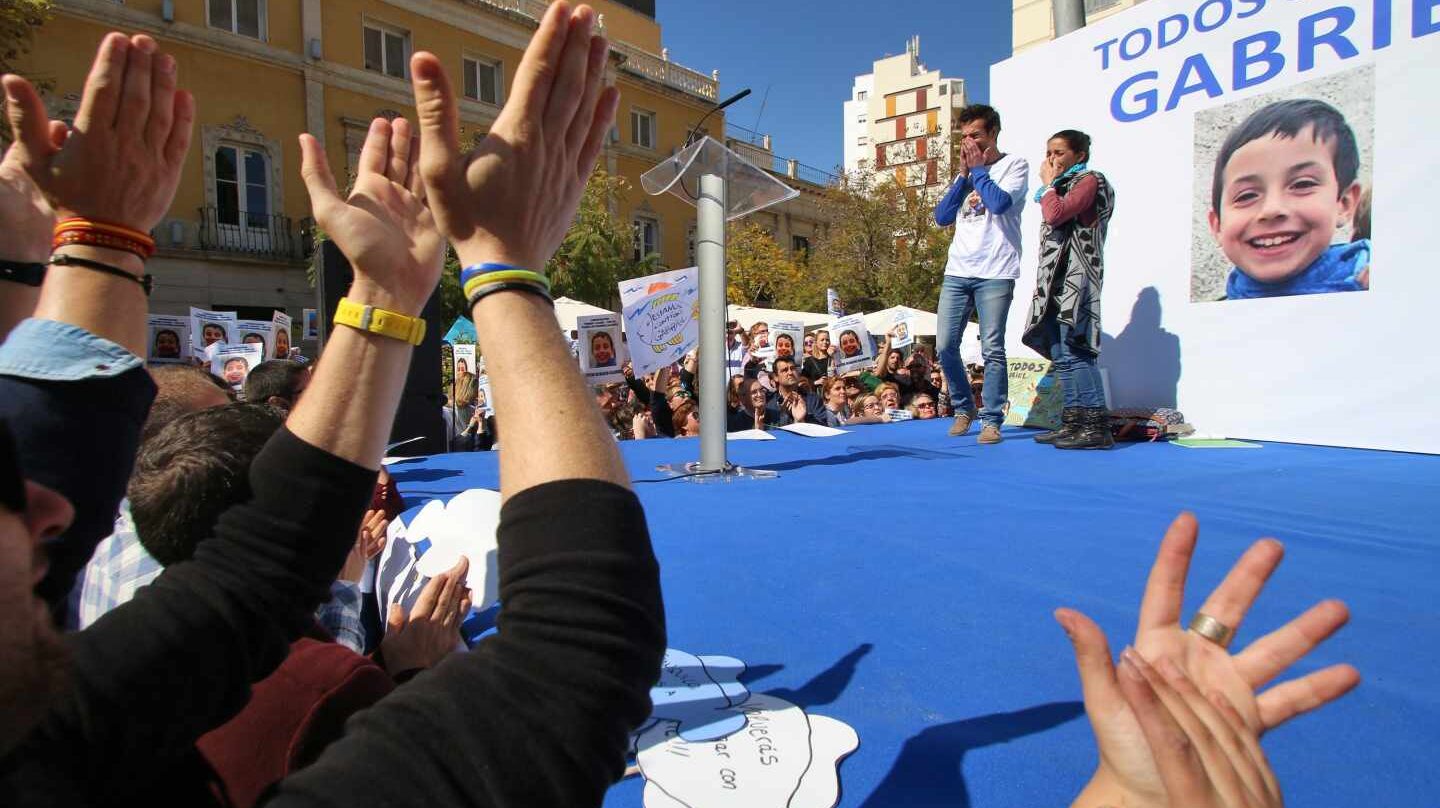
<point>485,278</point>
<point>379,321</point>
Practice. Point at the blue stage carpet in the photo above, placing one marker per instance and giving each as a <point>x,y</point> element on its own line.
<point>902,581</point>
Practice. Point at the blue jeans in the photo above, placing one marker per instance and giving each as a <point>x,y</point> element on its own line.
<point>991,298</point>
<point>1079,376</point>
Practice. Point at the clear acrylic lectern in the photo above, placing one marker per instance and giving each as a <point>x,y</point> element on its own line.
<point>722,186</point>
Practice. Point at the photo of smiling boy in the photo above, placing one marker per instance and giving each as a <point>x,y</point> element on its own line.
<point>1284,190</point>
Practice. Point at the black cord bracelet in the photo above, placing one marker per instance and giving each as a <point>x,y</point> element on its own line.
<point>64,260</point>
<point>23,272</point>
<point>508,286</point>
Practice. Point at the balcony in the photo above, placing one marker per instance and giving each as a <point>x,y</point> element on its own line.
<point>260,236</point>
<point>637,61</point>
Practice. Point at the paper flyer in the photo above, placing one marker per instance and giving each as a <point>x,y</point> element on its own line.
<point>602,351</point>
<point>210,327</point>
<point>257,332</point>
<point>311,320</point>
<point>280,337</point>
<point>664,324</point>
<point>788,337</point>
<point>852,343</point>
<point>464,359</point>
<point>234,362</point>
<point>169,339</point>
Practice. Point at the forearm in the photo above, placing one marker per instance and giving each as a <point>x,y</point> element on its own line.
<point>996,199</point>
<point>950,203</point>
<point>106,306</point>
<point>349,407</point>
<point>528,361</point>
<point>1058,209</point>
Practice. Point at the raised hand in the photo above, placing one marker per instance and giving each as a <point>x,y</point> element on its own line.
<point>432,630</point>
<point>1127,766</point>
<point>384,227</point>
<point>512,198</point>
<point>121,162</point>
<point>25,214</point>
<point>368,543</point>
<point>1048,170</point>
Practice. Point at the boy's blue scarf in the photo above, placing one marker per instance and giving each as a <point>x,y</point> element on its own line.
<point>1336,270</point>
<point>1075,169</point>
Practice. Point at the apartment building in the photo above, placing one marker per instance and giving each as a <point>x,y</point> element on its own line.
<point>1033,21</point>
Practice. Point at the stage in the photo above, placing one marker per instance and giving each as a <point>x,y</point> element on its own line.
<point>902,581</point>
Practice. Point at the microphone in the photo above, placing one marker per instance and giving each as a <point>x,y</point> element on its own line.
<point>723,104</point>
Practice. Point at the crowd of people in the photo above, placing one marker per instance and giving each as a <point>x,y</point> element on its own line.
<point>230,667</point>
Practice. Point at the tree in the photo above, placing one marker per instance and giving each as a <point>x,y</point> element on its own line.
<point>758,271</point>
<point>18,21</point>
<point>599,249</point>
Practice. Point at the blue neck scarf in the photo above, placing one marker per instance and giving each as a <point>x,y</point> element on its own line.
<point>1075,169</point>
<point>1336,270</point>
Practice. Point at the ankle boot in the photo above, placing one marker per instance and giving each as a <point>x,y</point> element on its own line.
<point>1094,432</point>
<point>1070,419</point>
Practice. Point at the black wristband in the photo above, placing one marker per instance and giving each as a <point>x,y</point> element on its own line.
<point>508,286</point>
<point>64,260</point>
<point>22,272</point>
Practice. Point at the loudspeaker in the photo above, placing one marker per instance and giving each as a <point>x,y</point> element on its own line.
<point>420,403</point>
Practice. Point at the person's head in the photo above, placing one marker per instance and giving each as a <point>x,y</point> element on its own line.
<point>167,344</point>
<point>853,388</point>
<point>252,338</point>
<point>35,658</point>
<point>277,382</point>
<point>180,389</point>
<point>211,333</point>
<point>753,395</point>
<point>760,335</point>
<point>608,398</point>
<point>889,395</point>
<point>686,420</point>
<point>923,407</point>
<point>462,366</point>
<point>466,390</point>
<point>602,348</point>
<point>191,472</point>
<point>937,376</point>
<point>980,124</point>
<point>809,345</point>
<point>822,343</point>
<point>1067,148</point>
<point>1284,180</point>
<point>849,343</point>
<point>282,343</point>
<point>833,388</point>
<point>235,369</point>
<point>784,345</point>
<point>733,392</point>
<point>870,405</point>
<point>894,361</point>
<point>787,373</point>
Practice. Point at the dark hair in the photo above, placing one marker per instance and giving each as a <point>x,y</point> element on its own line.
<point>1077,141</point>
<point>789,360</point>
<point>680,415</point>
<point>191,472</point>
<point>177,387</point>
<point>598,335</point>
<point>1286,119</point>
<point>981,112</point>
<point>274,377</point>
<point>169,331</point>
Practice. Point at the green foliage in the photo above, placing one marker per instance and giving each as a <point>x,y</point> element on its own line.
<point>18,21</point>
<point>599,249</point>
<point>758,271</point>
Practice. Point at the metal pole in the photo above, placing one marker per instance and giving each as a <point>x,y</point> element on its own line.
<point>1069,16</point>
<point>710,256</point>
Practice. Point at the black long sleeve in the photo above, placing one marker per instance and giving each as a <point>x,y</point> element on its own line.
<point>79,438</point>
<point>151,676</point>
<point>539,714</point>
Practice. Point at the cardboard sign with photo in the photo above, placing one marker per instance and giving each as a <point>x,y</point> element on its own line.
<point>483,400</point>
<point>852,343</point>
<point>901,330</point>
<point>211,328</point>
<point>169,339</point>
<point>602,351</point>
<point>280,345</point>
<point>257,332</point>
<point>233,363</point>
<point>788,337</point>
<point>464,359</point>
<point>310,318</point>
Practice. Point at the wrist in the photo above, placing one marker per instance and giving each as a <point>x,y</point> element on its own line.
<point>120,259</point>
<point>477,251</point>
<point>368,293</point>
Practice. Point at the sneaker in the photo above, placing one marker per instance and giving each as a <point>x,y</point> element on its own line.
<point>962,423</point>
<point>990,434</point>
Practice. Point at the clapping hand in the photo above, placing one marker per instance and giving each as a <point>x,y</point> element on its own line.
<point>432,629</point>
<point>368,543</point>
<point>512,199</point>
<point>384,227</point>
<point>1128,767</point>
<point>795,403</point>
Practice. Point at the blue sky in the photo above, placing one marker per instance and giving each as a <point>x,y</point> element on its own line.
<point>808,52</point>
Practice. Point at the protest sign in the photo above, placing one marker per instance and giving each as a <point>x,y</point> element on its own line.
<point>234,362</point>
<point>602,352</point>
<point>901,329</point>
<point>169,339</point>
<point>483,401</point>
<point>852,341</point>
<point>663,324</point>
<point>211,327</point>
<point>310,319</point>
<point>788,336</point>
<point>834,306</point>
<point>280,346</point>
<point>257,332</point>
<point>1034,394</point>
<point>464,359</point>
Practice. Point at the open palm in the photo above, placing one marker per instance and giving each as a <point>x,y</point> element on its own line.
<point>384,225</point>
<point>1126,762</point>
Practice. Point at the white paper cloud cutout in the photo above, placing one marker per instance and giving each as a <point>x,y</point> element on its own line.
<point>464,526</point>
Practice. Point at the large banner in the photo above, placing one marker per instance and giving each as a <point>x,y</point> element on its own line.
<point>1268,160</point>
<point>662,318</point>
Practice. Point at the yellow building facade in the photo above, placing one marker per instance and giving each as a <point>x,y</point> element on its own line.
<point>263,71</point>
<point>1033,21</point>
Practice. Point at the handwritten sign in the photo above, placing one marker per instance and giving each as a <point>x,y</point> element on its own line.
<point>1035,399</point>
<point>783,758</point>
<point>696,692</point>
<point>663,325</point>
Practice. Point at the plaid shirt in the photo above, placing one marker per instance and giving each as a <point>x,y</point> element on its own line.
<point>121,566</point>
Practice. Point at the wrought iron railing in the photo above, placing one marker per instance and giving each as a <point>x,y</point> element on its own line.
<point>262,236</point>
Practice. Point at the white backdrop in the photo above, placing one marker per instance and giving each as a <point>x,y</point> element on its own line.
<point>1349,369</point>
